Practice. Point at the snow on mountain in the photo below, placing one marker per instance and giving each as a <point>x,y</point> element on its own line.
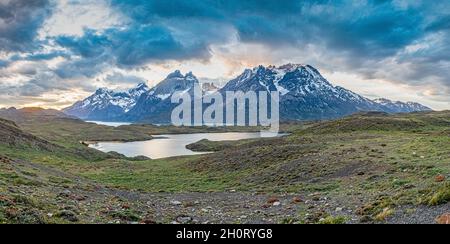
<point>304,95</point>
<point>155,105</point>
<point>304,92</point>
<point>400,107</point>
<point>107,104</point>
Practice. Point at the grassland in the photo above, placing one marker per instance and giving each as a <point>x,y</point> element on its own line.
<point>376,167</point>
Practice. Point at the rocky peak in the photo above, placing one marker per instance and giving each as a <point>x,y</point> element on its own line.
<point>175,74</point>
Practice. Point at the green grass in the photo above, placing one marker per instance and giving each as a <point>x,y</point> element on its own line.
<point>377,163</point>
<point>166,175</point>
<point>441,196</point>
<point>330,220</point>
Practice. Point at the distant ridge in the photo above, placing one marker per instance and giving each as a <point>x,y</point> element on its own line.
<point>24,114</point>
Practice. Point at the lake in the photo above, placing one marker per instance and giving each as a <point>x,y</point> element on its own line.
<point>164,146</point>
<point>113,124</point>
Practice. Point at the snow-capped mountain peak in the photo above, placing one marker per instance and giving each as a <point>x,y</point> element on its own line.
<point>175,81</point>
<point>400,107</point>
<point>297,79</point>
<point>155,105</point>
<point>304,95</point>
<point>140,89</point>
<point>107,103</point>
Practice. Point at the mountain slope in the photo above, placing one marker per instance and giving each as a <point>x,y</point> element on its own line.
<point>12,135</point>
<point>306,95</point>
<point>155,105</point>
<point>400,107</point>
<point>106,105</point>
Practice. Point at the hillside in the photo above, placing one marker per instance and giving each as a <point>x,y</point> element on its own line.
<point>366,168</point>
<point>12,135</point>
<point>28,114</point>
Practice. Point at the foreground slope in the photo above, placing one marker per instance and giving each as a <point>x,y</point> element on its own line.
<point>370,167</point>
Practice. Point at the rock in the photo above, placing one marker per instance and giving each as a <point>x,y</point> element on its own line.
<point>148,221</point>
<point>365,219</point>
<point>80,198</point>
<point>267,205</point>
<point>443,219</point>
<point>272,200</point>
<point>65,193</point>
<point>276,204</point>
<point>188,204</point>
<point>175,203</point>
<point>339,209</point>
<point>409,186</point>
<point>184,219</point>
<point>296,200</point>
<point>439,178</point>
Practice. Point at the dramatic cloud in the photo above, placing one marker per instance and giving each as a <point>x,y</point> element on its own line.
<point>369,37</point>
<point>135,45</point>
<point>20,21</point>
<point>362,44</point>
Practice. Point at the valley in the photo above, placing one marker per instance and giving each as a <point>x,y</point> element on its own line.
<point>365,168</point>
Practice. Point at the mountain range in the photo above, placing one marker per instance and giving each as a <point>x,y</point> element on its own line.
<point>304,95</point>
<point>107,105</point>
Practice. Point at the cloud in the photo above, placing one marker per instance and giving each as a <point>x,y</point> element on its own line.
<point>140,44</point>
<point>399,41</point>
<point>376,28</point>
<point>20,21</point>
<point>119,79</point>
<point>159,31</point>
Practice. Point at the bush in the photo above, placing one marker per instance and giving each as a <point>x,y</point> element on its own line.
<point>442,196</point>
<point>330,220</point>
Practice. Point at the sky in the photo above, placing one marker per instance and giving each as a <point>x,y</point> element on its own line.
<point>55,52</point>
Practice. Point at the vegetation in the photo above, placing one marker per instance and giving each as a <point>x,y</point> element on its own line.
<point>375,161</point>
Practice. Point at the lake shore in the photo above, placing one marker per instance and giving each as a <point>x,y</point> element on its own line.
<point>171,145</point>
<point>359,169</point>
